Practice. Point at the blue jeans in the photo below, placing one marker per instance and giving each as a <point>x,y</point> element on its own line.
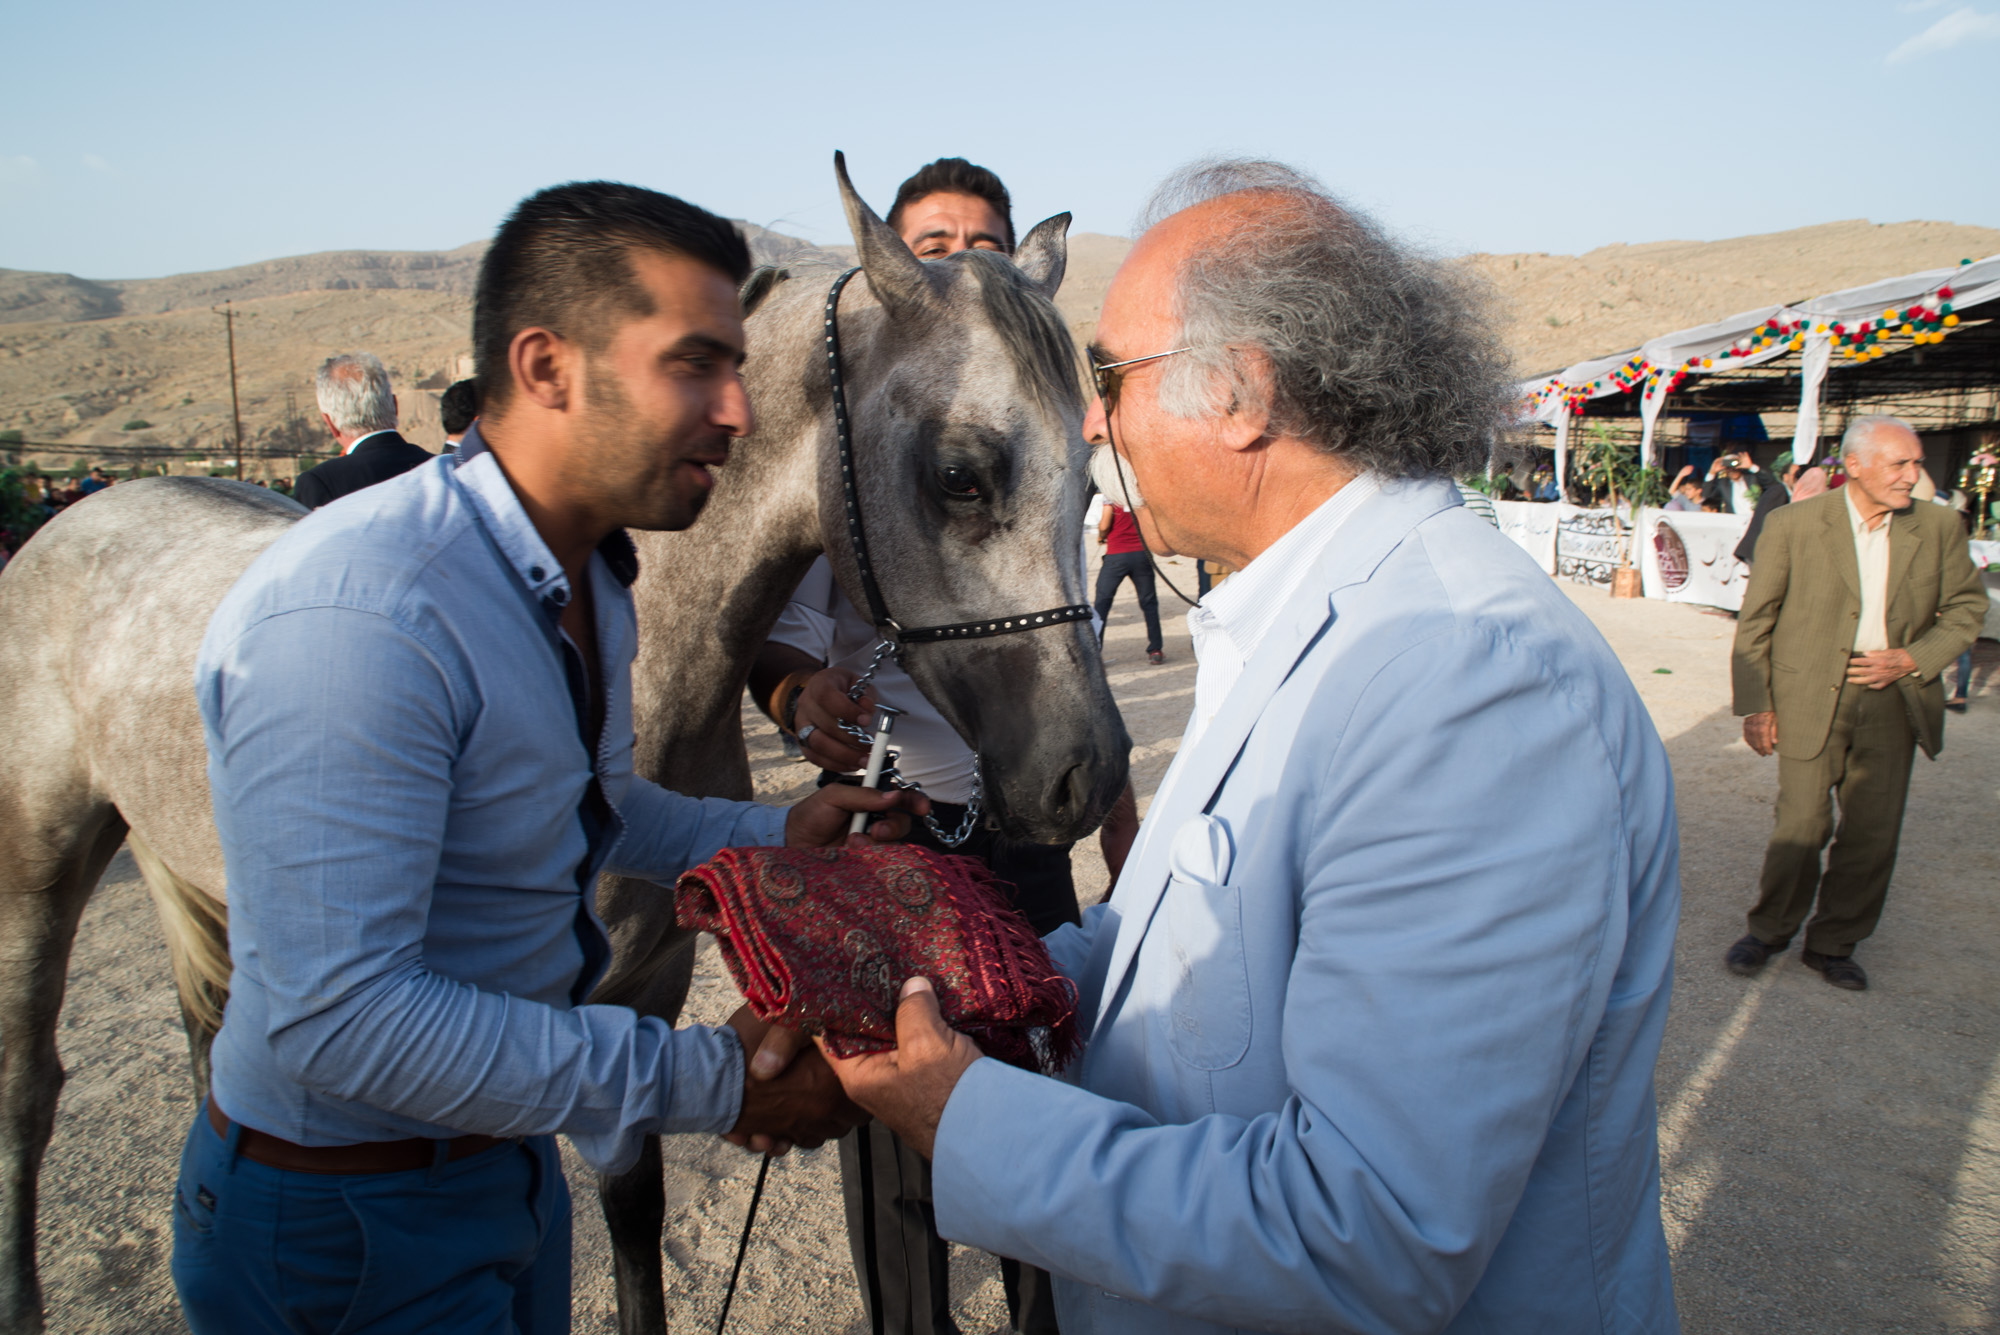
<point>1137,567</point>
<point>480,1245</point>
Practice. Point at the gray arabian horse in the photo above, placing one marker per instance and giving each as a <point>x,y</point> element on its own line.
<point>958,364</point>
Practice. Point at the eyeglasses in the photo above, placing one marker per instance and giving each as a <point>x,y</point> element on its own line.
<point>1107,383</point>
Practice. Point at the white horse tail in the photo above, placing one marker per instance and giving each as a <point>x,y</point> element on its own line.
<point>197,928</point>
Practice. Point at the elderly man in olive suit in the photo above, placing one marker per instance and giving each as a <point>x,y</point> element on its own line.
<point>1857,604</point>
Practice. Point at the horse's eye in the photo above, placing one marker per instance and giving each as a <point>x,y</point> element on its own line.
<point>958,482</point>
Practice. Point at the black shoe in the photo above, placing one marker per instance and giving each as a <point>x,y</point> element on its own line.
<point>1749,955</point>
<point>1155,657</point>
<point>1840,970</point>
<point>1955,706</point>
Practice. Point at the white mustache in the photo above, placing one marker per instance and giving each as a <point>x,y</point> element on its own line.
<point>1113,475</point>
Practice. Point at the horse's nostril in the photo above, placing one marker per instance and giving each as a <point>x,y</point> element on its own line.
<point>1070,794</point>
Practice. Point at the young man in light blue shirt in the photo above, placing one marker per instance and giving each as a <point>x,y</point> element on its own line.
<point>419,723</point>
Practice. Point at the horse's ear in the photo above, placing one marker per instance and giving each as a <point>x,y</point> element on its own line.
<point>896,275</point>
<point>1044,254</point>
<point>759,285</point>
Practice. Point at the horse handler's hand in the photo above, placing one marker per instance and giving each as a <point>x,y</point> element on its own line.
<point>823,707</point>
<point>1761,732</point>
<point>789,1094</point>
<point>907,1089</point>
<point>821,820</point>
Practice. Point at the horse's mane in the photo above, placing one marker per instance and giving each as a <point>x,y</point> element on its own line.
<point>763,281</point>
<point>1028,323</point>
<point>1030,327</point>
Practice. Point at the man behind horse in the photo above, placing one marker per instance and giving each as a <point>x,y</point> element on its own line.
<point>948,206</point>
<point>411,870</point>
<point>1355,1062</point>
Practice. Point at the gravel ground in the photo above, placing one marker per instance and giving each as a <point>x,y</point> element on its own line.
<point>1832,1159</point>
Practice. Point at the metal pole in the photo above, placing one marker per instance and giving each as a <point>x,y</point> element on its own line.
<point>235,406</point>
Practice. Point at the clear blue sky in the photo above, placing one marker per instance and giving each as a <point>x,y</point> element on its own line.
<point>145,139</point>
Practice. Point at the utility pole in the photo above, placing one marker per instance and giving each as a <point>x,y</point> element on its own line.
<point>228,315</point>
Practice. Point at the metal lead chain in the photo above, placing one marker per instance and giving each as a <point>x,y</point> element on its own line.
<point>862,737</point>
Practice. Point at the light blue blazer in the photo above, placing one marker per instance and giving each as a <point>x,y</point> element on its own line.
<point>1377,1002</point>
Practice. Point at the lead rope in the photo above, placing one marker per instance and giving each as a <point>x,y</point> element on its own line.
<point>743,1244</point>
<point>1133,510</point>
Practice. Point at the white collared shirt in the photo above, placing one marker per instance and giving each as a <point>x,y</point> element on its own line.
<point>1871,552</point>
<point>385,431</point>
<point>1230,624</point>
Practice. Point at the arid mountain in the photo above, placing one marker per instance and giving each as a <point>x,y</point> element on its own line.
<point>55,296</point>
<point>28,297</point>
<point>1092,261</point>
<point>83,360</point>
<point>1562,309</point>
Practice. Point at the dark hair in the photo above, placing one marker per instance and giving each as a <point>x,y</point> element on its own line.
<point>954,176</point>
<point>561,261</point>
<point>458,405</point>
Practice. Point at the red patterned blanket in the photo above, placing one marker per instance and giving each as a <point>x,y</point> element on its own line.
<point>823,939</point>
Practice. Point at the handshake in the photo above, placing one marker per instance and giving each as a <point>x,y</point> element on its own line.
<point>794,1094</point>
<point>790,1095</point>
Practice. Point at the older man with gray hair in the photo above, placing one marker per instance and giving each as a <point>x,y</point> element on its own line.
<point>1857,604</point>
<point>1358,1058</point>
<point>360,412</point>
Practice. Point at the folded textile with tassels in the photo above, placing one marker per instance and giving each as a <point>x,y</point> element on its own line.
<point>823,939</point>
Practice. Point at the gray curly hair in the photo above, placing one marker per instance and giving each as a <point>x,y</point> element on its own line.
<point>1377,354</point>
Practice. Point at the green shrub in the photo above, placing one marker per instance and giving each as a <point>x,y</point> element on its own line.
<point>136,424</point>
<point>18,515</point>
<point>12,436</point>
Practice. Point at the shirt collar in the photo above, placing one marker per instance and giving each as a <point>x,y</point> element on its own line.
<point>359,441</point>
<point>478,471</point>
<point>1243,606</point>
<point>1860,525</point>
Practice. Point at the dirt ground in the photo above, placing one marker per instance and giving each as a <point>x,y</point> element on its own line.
<point>1832,1159</point>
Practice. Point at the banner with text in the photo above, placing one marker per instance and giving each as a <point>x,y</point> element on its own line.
<point>1689,556</point>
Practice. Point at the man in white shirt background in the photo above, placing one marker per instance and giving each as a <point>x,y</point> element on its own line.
<point>819,648</point>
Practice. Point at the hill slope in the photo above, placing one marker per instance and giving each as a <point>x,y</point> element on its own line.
<point>1562,309</point>
<point>80,358</point>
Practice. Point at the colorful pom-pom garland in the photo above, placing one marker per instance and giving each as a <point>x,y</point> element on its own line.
<point>1925,321</point>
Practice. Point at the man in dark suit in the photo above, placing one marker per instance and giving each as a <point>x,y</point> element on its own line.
<point>1857,604</point>
<point>1775,494</point>
<point>357,407</point>
<point>458,409</point>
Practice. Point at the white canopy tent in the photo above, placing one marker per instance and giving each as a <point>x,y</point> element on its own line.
<point>1831,332</point>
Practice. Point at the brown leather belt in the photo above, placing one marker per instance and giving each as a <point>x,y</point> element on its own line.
<point>374,1156</point>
